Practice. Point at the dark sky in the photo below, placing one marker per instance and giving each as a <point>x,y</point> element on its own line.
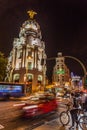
<point>63,24</point>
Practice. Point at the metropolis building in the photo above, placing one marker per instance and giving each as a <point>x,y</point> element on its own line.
<point>27,60</point>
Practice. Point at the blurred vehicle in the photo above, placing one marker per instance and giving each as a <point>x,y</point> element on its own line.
<point>37,105</point>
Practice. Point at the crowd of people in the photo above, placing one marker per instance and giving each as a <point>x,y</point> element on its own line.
<point>77,100</point>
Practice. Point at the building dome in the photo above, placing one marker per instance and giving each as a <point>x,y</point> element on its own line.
<point>30,33</point>
<point>30,27</point>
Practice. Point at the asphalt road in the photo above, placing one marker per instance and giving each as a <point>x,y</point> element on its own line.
<point>10,118</point>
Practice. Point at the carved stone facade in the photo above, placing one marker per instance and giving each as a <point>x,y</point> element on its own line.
<point>27,60</point>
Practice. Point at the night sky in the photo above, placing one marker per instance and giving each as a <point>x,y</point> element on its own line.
<point>63,25</point>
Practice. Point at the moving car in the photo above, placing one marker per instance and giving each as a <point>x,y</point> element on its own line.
<point>38,105</point>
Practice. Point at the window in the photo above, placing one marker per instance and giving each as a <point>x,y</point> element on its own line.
<point>58,79</point>
<point>57,66</point>
<point>30,53</point>
<point>19,64</point>
<point>28,77</point>
<point>62,78</point>
<point>16,77</point>
<point>30,65</point>
<point>20,55</point>
<point>39,77</point>
<point>61,60</point>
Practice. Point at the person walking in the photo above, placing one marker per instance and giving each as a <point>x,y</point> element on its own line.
<point>74,110</point>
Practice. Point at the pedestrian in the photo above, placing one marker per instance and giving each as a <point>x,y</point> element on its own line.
<point>85,104</point>
<point>74,110</point>
<point>83,99</point>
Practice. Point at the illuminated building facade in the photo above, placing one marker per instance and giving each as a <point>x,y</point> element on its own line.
<point>77,82</point>
<point>27,60</point>
<point>60,71</point>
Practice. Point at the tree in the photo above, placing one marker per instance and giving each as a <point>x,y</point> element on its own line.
<point>3,65</point>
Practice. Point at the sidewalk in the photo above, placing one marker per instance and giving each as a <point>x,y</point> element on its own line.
<point>54,125</point>
<point>51,125</point>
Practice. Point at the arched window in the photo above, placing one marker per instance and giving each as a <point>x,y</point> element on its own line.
<point>28,77</point>
<point>16,77</point>
<point>39,78</point>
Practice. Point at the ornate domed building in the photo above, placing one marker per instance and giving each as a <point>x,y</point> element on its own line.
<point>27,60</point>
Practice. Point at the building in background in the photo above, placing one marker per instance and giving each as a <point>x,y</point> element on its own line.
<point>61,73</point>
<point>76,82</point>
<point>27,60</point>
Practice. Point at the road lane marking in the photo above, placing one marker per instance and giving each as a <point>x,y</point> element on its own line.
<point>1,126</point>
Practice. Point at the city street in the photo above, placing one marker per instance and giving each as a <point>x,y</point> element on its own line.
<point>43,65</point>
<point>10,119</point>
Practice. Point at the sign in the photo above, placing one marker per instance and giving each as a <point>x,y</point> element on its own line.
<point>10,88</point>
<point>60,71</point>
<point>76,78</point>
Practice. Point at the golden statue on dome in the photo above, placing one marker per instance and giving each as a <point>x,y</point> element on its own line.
<point>31,13</point>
